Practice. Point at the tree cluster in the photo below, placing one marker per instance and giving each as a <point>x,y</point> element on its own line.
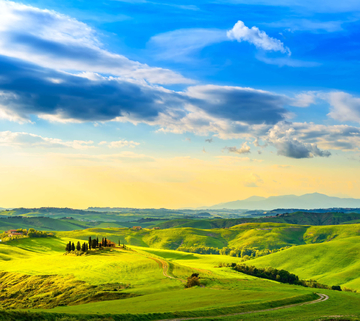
<point>95,243</point>
<point>34,233</point>
<point>91,244</point>
<point>282,276</point>
<point>78,247</point>
<point>246,253</point>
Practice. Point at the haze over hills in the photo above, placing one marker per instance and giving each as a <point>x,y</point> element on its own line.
<point>307,201</point>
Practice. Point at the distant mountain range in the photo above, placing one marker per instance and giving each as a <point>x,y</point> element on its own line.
<point>307,201</point>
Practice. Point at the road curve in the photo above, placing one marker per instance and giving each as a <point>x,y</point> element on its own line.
<point>322,297</point>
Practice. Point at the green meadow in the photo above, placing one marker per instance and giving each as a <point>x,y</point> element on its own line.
<point>145,281</point>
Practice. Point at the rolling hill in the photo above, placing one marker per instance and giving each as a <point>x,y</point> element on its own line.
<point>335,262</point>
<point>150,278</point>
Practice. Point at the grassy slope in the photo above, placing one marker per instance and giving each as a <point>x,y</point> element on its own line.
<point>224,288</point>
<point>265,235</point>
<point>45,256</point>
<point>333,263</point>
<point>260,235</point>
<point>340,306</point>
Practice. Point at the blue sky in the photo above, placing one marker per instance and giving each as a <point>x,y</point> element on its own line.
<point>259,83</point>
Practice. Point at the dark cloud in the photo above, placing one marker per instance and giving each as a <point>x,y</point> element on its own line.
<point>241,104</point>
<point>33,90</point>
<point>294,149</point>
<point>30,89</point>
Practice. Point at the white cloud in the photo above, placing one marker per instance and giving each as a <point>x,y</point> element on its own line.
<point>53,40</point>
<point>120,144</point>
<point>26,140</point>
<point>178,45</point>
<point>259,38</point>
<point>244,149</point>
<point>345,107</point>
<point>304,99</point>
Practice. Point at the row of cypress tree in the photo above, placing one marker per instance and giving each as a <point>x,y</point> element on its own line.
<point>79,247</point>
<point>91,244</point>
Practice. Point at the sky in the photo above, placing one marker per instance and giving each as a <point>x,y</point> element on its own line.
<point>150,104</point>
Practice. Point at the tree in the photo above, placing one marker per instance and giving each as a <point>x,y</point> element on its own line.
<point>67,248</point>
<point>94,245</point>
<point>78,246</point>
<point>119,243</point>
<point>105,242</point>
<point>83,247</point>
<point>90,242</point>
<point>72,247</point>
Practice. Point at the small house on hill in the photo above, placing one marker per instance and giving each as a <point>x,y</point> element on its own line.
<point>137,228</point>
<point>13,233</point>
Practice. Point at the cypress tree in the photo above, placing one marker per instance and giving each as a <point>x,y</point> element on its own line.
<point>97,241</point>
<point>78,246</point>
<point>93,245</point>
<point>72,247</point>
<point>83,248</point>
<point>67,247</point>
<point>105,242</point>
<point>90,242</point>
<point>119,243</point>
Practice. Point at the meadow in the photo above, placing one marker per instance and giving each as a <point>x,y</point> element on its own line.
<point>145,281</point>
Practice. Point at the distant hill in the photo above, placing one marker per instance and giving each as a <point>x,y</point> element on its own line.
<point>307,201</point>
<point>303,218</point>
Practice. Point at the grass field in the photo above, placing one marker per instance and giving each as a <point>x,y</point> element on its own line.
<point>333,263</point>
<point>155,276</point>
<point>138,268</point>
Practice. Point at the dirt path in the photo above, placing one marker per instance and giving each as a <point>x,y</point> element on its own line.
<point>322,297</point>
<point>162,264</point>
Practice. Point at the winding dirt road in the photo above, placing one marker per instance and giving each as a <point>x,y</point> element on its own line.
<point>322,297</point>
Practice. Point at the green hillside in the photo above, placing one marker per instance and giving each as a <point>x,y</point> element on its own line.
<point>257,235</point>
<point>262,236</point>
<point>148,289</point>
<point>334,262</point>
<point>145,280</point>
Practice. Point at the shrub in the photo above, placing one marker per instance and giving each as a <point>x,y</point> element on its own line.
<point>193,280</point>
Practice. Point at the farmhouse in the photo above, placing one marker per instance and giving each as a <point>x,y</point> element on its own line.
<point>138,228</point>
<point>13,233</point>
